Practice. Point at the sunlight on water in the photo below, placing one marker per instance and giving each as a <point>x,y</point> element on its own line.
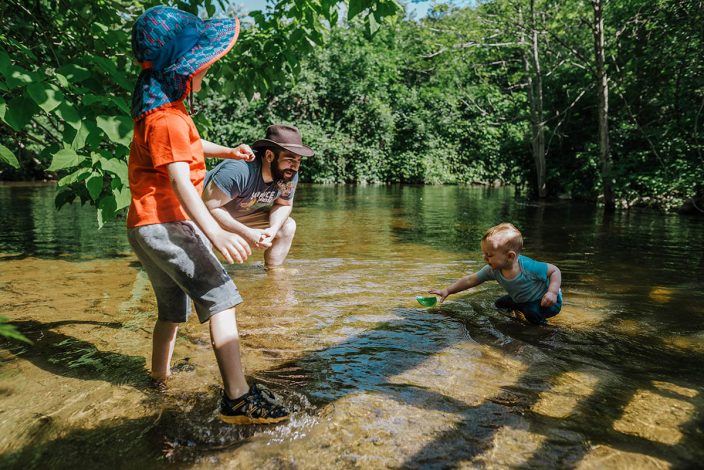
<point>375,380</point>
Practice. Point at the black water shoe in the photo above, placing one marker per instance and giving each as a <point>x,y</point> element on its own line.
<point>258,406</point>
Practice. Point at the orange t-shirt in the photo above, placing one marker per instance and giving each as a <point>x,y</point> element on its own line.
<point>165,136</point>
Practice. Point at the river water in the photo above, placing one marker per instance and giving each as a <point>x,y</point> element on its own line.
<point>615,381</point>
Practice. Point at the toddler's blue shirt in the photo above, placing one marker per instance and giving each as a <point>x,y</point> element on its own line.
<point>530,285</point>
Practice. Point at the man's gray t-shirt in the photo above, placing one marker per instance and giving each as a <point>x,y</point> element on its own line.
<point>243,182</point>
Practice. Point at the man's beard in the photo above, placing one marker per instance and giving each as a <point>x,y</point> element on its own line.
<point>279,175</point>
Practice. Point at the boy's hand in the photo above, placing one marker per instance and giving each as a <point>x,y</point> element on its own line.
<point>232,247</point>
<point>548,300</point>
<point>442,293</point>
<point>243,152</point>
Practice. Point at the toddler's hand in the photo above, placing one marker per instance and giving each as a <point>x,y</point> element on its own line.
<point>548,300</point>
<point>442,293</point>
<point>243,152</point>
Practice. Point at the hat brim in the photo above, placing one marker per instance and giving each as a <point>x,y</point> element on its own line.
<point>302,150</point>
<point>219,35</point>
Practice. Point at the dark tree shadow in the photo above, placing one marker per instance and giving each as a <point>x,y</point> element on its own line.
<point>68,356</point>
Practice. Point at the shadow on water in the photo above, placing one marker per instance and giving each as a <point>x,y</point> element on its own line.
<point>640,359</point>
<point>180,429</point>
<point>68,356</point>
<point>186,428</point>
<point>367,361</point>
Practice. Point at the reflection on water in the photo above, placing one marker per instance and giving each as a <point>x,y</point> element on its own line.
<point>615,381</point>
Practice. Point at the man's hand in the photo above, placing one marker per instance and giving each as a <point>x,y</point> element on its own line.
<point>270,233</point>
<point>548,300</point>
<point>232,247</point>
<point>258,238</point>
<point>243,152</point>
<point>442,293</point>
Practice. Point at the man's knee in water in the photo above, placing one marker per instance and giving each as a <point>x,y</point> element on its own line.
<point>288,230</point>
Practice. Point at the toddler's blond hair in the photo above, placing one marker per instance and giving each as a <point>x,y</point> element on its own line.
<point>505,236</point>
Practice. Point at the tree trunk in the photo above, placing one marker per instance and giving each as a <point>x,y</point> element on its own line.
<point>531,62</point>
<point>603,98</point>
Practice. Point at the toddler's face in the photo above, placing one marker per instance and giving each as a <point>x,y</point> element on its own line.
<point>496,256</point>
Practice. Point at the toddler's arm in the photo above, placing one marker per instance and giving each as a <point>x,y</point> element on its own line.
<point>459,285</point>
<point>555,277</point>
<point>241,152</point>
<point>232,246</point>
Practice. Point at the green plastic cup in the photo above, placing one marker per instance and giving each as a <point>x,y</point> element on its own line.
<point>427,301</point>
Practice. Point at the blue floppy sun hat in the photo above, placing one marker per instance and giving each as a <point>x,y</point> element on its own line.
<point>171,46</point>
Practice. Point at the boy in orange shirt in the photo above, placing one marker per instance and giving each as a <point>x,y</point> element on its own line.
<point>169,227</point>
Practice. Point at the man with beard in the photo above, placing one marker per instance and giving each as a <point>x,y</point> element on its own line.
<point>254,199</point>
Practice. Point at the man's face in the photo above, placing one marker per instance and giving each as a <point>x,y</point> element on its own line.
<point>285,166</point>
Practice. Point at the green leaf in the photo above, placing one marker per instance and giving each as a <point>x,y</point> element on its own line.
<point>123,197</point>
<point>121,104</point>
<point>74,73</point>
<point>79,140</point>
<point>76,176</point>
<point>372,24</point>
<point>94,184</point>
<point>117,128</point>
<point>47,96</point>
<point>355,8</point>
<point>4,59</point>
<point>3,108</point>
<point>68,113</point>
<point>20,112</point>
<point>90,98</point>
<point>8,157</point>
<point>65,158</point>
<point>109,68</point>
<point>64,196</point>
<point>63,81</point>
<point>116,167</point>
<point>387,8</point>
<point>106,210</point>
<point>16,76</point>
<point>10,331</point>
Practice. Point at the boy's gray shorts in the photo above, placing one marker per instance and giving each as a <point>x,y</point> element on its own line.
<point>180,263</point>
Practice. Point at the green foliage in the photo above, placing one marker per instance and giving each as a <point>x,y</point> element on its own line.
<point>66,77</point>
<point>376,111</point>
<point>9,331</point>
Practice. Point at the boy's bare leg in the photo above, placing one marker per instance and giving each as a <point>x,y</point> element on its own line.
<point>276,255</point>
<point>163,341</point>
<point>226,344</point>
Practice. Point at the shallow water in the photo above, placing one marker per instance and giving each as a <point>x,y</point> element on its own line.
<point>615,381</point>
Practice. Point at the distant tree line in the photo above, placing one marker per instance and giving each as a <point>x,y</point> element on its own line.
<point>589,99</point>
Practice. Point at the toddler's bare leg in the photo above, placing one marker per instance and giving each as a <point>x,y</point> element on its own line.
<point>163,341</point>
<point>226,344</point>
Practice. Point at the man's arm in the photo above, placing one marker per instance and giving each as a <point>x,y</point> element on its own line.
<point>277,217</point>
<point>232,246</point>
<point>241,152</point>
<point>555,277</point>
<point>215,201</point>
